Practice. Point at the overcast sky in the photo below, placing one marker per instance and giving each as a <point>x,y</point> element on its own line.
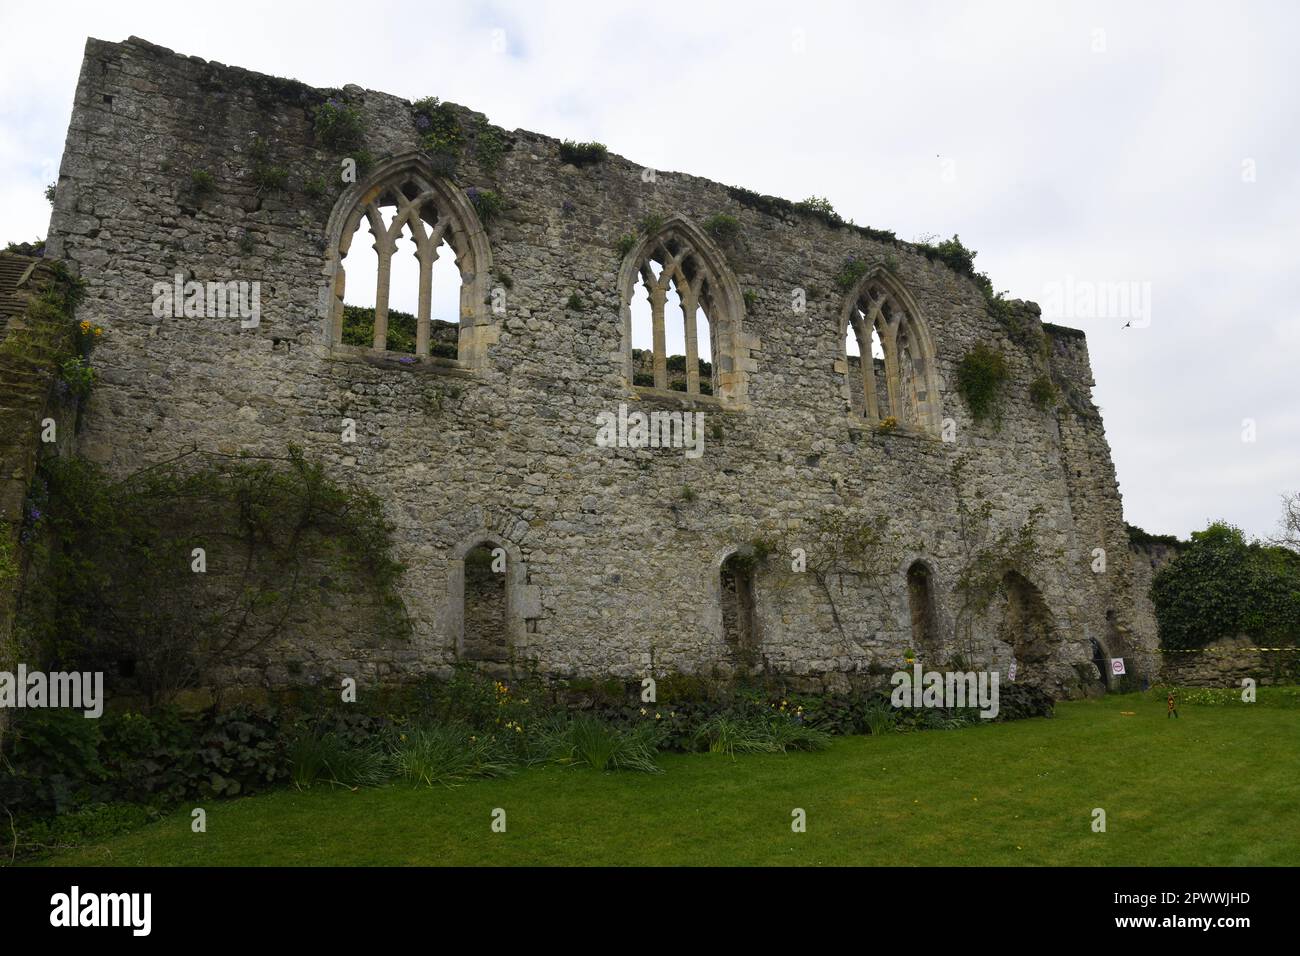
<point>1084,143</point>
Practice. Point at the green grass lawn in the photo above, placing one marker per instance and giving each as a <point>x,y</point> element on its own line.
<point>1219,786</point>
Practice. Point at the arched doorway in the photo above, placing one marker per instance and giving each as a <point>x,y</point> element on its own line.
<point>1027,624</point>
<point>486,632</point>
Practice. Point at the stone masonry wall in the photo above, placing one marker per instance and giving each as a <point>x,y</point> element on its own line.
<point>614,566</point>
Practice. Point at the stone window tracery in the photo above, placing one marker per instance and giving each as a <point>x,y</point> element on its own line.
<point>404,204</point>
<point>685,279</point>
<point>892,374</point>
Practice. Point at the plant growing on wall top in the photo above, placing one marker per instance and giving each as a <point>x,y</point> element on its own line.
<point>582,154</point>
<point>439,127</point>
<point>339,125</point>
<point>1020,328</point>
<point>818,206</point>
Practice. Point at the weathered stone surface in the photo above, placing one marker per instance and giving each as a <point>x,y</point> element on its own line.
<point>1227,663</point>
<point>613,565</point>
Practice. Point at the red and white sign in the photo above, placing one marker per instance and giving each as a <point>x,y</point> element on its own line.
<point>1117,666</point>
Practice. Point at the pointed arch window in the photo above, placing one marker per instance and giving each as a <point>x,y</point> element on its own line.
<point>433,306</point>
<point>888,357</point>
<point>682,316</point>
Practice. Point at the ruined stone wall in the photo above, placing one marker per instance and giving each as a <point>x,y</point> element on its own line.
<point>614,566</point>
<point>1227,663</point>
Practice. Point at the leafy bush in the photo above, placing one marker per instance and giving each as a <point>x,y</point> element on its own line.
<point>1022,701</point>
<point>582,154</point>
<point>722,227</point>
<point>447,754</point>
<point>338,125</point>
<point>606,746</point>
<point>1220,587</point>
<point>1044,393</point>
<point>850,272</point>
<point>329,757</point>
<point>439,127</point>
<point>981,377</point>
<point>487,204</point>
<point>242,751</point>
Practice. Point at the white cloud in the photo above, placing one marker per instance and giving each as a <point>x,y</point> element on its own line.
<point>1118,165</point>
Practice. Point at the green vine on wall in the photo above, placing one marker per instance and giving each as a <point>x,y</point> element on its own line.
<point>114,573</point>
<point>987,556</point>
<point>982,375</point>
<point>488,146</point>
<point>838,545</point>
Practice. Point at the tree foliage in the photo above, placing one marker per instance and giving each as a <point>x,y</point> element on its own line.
<point>1221,586</point>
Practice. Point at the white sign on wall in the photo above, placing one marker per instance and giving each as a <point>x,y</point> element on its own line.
<point>1117,666</point>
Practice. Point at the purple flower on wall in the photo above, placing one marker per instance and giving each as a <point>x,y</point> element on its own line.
<point>406,359</point>
<point>422,122</point>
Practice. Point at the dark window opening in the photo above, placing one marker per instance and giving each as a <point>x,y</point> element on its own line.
<point>925,624</point>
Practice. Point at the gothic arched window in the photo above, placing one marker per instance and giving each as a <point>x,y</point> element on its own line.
<point>421,286</point>
<point>888,356</point>
<point>682,316</point>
